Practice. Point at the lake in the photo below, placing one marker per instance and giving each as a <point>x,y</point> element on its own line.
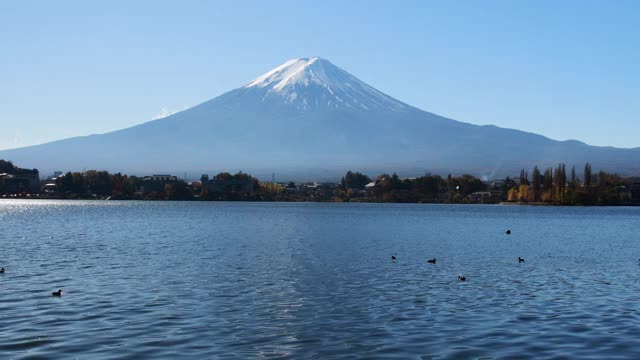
<point>166,280</point>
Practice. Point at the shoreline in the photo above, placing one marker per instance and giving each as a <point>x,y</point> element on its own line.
<point>501,203</point>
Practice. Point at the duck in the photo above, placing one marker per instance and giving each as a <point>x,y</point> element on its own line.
<point>2,271</point>
<point>462,278</point>
<point>393,257</point>
<point>432,261</point>
<point>57,293</point>
<point>508,232</point>
<point>520,260</point>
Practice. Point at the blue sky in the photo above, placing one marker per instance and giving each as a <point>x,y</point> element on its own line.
<point>564,69</point>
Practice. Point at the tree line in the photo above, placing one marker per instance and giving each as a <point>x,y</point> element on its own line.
<point>425,189</point>
<point>556,186</point>
<point>97,184</point>
<point>102,184</point>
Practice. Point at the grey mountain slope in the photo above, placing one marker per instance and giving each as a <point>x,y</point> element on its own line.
<point>310,118</point>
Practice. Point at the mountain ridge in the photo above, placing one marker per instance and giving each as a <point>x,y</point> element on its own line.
<point>309,114</point>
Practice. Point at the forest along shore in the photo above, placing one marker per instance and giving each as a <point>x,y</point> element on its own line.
<point>552,186</point>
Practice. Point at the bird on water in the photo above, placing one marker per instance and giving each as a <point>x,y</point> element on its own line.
<point>462,278</point>
<point>508,232</point>
<point>432,261</point>
<point>520,260</point>
<point>2,271</point>
<point>393,257</point>
<point>57,293</point>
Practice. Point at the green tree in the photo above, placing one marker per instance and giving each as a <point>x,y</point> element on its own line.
<point>354,180</point>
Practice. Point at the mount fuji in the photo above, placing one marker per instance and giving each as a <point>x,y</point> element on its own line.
<point>309,118</point>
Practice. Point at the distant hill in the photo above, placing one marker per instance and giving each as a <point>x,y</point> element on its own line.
<point>15,180</point>
<point>9,168</point>
<point>308,117</point>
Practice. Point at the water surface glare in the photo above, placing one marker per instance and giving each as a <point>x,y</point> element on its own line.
<point>165,280</point>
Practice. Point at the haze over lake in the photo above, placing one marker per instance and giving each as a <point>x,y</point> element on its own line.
<point>313,280</point>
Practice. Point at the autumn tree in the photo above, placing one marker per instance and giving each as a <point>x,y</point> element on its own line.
<point>524,177</point>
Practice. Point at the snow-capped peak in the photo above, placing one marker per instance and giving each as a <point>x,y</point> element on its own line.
<point>315,83</point>
<point>279,76</point>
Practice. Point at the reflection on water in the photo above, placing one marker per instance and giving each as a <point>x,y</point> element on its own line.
<point>251,280</point>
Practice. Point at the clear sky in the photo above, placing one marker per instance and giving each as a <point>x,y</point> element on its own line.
<point>564,69</point>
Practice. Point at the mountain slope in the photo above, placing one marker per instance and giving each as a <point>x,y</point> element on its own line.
<point>309,117</point>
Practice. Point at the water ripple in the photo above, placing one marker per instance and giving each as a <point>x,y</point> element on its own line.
<point>244,280</point>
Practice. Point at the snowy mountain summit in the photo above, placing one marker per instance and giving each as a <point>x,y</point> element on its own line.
<point>316,84</point>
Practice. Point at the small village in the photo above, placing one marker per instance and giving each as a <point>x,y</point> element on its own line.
<point>600,189</point>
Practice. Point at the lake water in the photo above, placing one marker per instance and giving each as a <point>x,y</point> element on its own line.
<point>285,280</point>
